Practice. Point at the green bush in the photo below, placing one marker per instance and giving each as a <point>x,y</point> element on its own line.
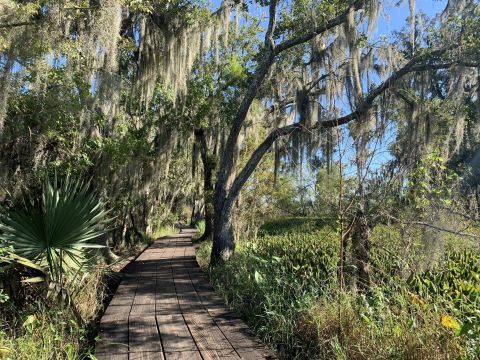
<point>42,334</point>
<point>274,280</point>
<point>51,281</point>
<point>456,287</point>
<point>200,226</point>
<point>56,231</point>
<point>296,225</point>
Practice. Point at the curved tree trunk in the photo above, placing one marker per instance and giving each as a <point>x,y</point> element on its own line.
<point>107,253</point>
<point>223,241</point>
<point>227,191</point>
<point>361,251</point>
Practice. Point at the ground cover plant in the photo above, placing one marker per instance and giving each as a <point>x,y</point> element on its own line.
<point>285,284</point>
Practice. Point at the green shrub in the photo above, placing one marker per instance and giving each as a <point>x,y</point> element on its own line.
<point>282,226</point>
<point>56,231</point>
<point>200,226</point>
<point>274,280</point>
<point>43,334</point>
<point>52,282</point>
<point>455,287</point>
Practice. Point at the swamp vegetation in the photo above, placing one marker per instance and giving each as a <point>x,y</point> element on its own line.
<point>328,151</point>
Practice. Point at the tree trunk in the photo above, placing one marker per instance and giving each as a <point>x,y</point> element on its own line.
<point>209,213</point>
<point>361,250</point>
<point>107,253</point>
<point>209,165</point>
<point>223,240</point>
<point>5,80</point>
<point>433,239</point>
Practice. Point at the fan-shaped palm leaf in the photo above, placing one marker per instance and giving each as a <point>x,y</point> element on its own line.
<point>57,231</point>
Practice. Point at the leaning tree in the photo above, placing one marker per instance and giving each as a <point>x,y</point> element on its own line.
<point>340,54</point>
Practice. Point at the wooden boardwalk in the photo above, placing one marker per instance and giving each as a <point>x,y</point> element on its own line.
<point>165,309</point>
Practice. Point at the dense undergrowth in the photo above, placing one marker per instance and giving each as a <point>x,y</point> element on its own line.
<point>284,283</point>
<point>45,330</point>
<point>35,325</point>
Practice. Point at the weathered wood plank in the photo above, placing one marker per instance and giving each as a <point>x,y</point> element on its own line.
<point>223,354</point>
<point>175,334</point>
<point>116,312</point>
<point>183,355</point>
<point>114,331</point>
<point>205,332</point>
<point>113,340</point>
<point>110,356</point>
<point>146,356</point>
<point>254,354</point>
<point>165,309</point>
<point>144,301</point>
<point>124,294</point>
<point>143,334</point>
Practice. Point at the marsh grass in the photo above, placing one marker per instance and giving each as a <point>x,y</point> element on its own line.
<point>284,283</point>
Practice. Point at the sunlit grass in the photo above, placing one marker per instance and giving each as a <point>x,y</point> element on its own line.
<point>284,284</point>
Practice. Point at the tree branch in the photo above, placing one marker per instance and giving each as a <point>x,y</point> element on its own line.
<point>287,44</point>
<point>439,228</point>
<point>269,42</point>
<point>202,141</point>
<point>18,24</point>
<point>257,155</point>
<point>267,59</point>
<point>366,104</point>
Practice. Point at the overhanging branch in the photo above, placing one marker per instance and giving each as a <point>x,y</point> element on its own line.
<point>413,65</point>
<point>268,55</point>
<point>287,44</point>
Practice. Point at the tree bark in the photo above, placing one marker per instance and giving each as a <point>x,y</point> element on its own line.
<point>5,80</point>
<point>107,253</point>
<point>223,245</point>
<point>361,250</point>
<point>208,168</point>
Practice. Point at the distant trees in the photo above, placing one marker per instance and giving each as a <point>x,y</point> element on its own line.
<point>85,90</point>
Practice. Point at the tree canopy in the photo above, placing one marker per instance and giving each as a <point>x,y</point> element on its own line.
<point>134,93</point>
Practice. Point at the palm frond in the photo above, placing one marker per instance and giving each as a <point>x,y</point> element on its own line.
<point>57,231</point>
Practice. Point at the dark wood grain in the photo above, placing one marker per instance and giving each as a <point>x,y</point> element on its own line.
<point>165,309</point>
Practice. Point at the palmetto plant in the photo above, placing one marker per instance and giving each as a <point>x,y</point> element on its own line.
<point>57,231</point>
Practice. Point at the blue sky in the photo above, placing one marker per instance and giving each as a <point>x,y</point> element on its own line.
<point>393,17</point>
<point>397,15</point>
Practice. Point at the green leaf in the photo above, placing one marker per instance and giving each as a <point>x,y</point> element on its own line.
<point>30,320</point>
<point>466,328</point>
<point>258,277</point>
<point>57,231</point>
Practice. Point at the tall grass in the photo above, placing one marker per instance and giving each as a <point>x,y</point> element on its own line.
<point>44,334</point>
<point>284,283</point>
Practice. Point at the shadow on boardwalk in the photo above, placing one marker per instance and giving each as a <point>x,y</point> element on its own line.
<point>165,309</point>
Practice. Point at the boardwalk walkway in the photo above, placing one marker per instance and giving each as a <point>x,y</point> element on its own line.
<point>165,309</point>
